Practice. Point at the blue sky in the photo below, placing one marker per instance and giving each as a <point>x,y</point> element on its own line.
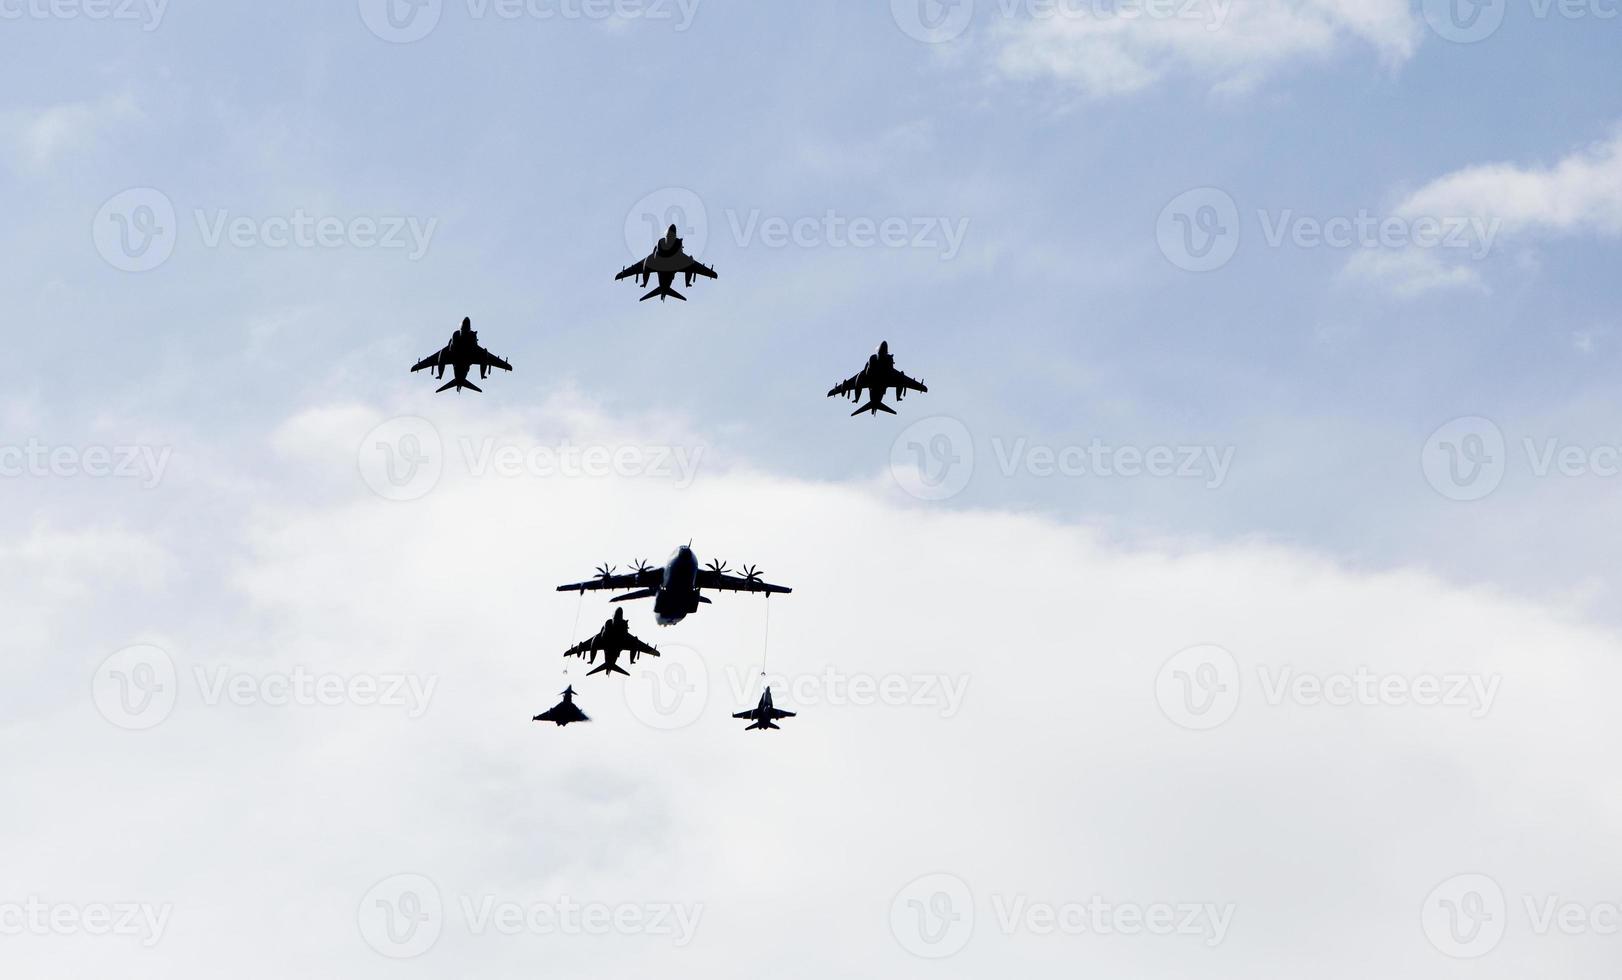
<point>1398,456</point>
<point>526,142</point>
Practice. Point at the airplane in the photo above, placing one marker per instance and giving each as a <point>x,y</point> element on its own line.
<point>565,713</point>
<point>612,640</point>
<point>461,353</point>
<point>879,376</point>
<point>667,260</point>
<point>676,588</point>
<point>764,715</point>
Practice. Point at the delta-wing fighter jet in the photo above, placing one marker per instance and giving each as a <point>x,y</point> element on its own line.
<point>565,712</point>
<point>611,641</point>
<point>878,377</point>
<point>667,261</point>
<point>460,355</point>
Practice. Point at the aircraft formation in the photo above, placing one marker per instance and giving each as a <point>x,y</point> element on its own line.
<point>677,588</point>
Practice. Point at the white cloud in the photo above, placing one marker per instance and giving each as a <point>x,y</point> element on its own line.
<point>1059,779</point>
<point>1231,46</point>
<point>41,138</point>
<point>1581,194</point>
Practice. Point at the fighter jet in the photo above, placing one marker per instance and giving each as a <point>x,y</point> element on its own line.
<point>675,589</point>
<point>612,640</point>
<point>764,715</point>
<point>461,353</point>
<point>667,260</point>
<point>878,377</point>
<point>565,713</point>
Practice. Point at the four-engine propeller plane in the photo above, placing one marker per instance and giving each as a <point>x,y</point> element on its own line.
<point>878,377</point>
<point>612,640</point>
<point>677,588</point>
<point>667,261</point>
<point>461,354</point>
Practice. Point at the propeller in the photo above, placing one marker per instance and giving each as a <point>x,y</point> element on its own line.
<point>642,567</point>
<point>605,571</point>
<point>751,573</point>
<point>718,567</point>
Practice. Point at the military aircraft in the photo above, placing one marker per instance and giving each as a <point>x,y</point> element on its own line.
<point>676,588</point>
<point>565,713</point>
<point>764,715</point>
<point>612,640</point>
<point>667,260</point>
<point>878,377</point>
<point>462,353</point>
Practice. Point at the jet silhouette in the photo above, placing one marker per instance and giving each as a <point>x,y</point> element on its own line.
<point>764,714</point>
<point>612,640</point>
<point>676,588</point>
<point>462,353</point>
<point>565,713</point>
<point>878,377</point>
<point>667,260</point>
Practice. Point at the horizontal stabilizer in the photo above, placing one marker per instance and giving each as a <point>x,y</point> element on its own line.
<point>610,668</point>
<point>662,292</point>
<point>875,407</point>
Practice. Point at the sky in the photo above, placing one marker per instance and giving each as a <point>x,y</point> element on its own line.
<point>1239,601</point>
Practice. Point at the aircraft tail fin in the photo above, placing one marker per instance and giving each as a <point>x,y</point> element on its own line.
<point>875,406</point>
<point>662,292</point>
<point>459,385</point>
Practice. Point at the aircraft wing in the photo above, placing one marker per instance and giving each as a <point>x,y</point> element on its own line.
<point>580,649</point>
<point>700,269</point>
<point>629,271</point>
<point>638,647</point>
<point>848,386</point>
<point>613,583</point>
<point>490,360</point>
<point>722,582</point>
<point>777,713</point>
<point>899,380</point>
<point>431,361</point>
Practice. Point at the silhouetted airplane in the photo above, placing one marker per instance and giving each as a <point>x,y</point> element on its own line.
<point>878,377</point>
<point>675,588</point>
<point>764,715</point>
<point>667,260</point>
<point>565,713</point>
<point>612,640</point>
<point>460,354</point>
